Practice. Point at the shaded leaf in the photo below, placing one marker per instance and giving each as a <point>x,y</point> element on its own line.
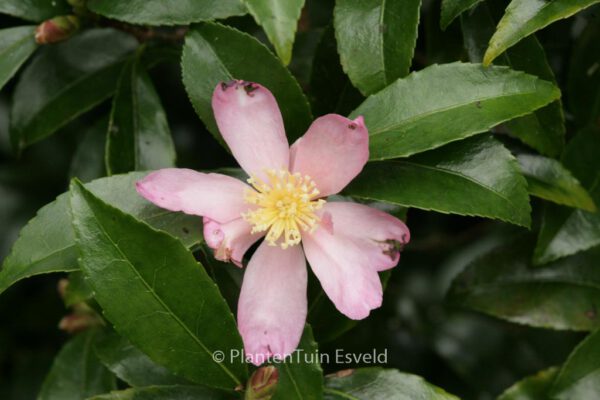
<point>131,365</point>
<point>165,393</point>
<point>534,387</point>
<point>77,373</point>
<point>376,40</point>
<point>584,76</point>
<point>216,53</point>
<point>47,244</point>
<point>567,231</point>
<point>16,45</point>
<point>477,176</point>
<point>381,384</point>
<point>156,296</point>
<point>279,20</point>
<point>157,12</point>
<point>66,80</point>
<point>404,118</point>
<point>524,17</point>
<point>544,129</point>
<point>301,377</point>
<point>138,136</point>
<point>453,8</point>
<point>88,161</point>
<point>579,377</point>
<point>562,295</point>
<point>34,10</point>
<point>550,180</point>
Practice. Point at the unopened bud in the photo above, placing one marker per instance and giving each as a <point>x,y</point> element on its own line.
<point>56,29</point>
<point>78,322</point>
<point>262,384</point>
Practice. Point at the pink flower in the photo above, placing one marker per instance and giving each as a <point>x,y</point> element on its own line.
<point>345,243</point>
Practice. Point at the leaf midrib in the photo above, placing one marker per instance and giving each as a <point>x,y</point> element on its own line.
<point>161,302</point>
<point>423,115</point>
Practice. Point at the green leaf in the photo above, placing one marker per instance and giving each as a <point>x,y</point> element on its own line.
<point>381,384</point>
<point>165,393</point>
<point>376,40</point>
<point>33,10</point>
<point>544,130</point>
<point>77,290</point>
<point>156,296</point>
<point>453,8</point>
<point>47,244</point>
<point>279,20</point>
<point>66,80</point>
<point>579,377</point>
<point>216,53</point>
<point>566,231</point>
<point>524,17</point>
<point>534,387</point>
<point>157,12</point>
<point>404,118</point>
<point>584,76</point>
<point>77,373</point>
<point>301,376</point>
<point>131,365</point>
<point>477,176</point>
<point>550,180</point>
<point>16,45</point>
<point>562,295</point>
<point>138,134</point>
<point>88,161</point>
<point>331,90</point>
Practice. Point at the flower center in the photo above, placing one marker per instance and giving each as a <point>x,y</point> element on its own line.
<point>286,204</point>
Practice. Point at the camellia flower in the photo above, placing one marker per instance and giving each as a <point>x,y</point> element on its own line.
<point>346,244</point>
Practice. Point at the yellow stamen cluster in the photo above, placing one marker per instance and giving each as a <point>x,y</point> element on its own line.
<point>286,204</point>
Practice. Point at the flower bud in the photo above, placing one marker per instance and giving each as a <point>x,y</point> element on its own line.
<point>56,29</point>
<point>262,384</point>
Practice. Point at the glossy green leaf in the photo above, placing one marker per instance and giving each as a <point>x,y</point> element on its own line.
<point>131,365</point>
<point>156,296</point>
<point>404,118</point>
<point>66,80</point>
<point>534,387</point>
<point>279,19</point>
<point>567,231</point>
<point>564,294</point>
<point>165,393</point>
<point>216,53</point>
<point>544,129</point>
<point>376,40</point>
<point>301,376</point>
<point>34,10</point>
<point>477,176</point>
<point>579,377</point>
<point>88,161</point>
<point>550,180</point>
<point>46,244</point>
<point>16,45</point>
<point>138,137</point>
<point>77,373</point>
<point>381,384</point>
<point>453,8</point>
<point>584,76</point>
<point>524,17</point>
<point>157,12</point>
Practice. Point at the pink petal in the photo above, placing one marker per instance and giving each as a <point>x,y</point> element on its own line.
<point>353,243</point>
<point>231,240</point>
<point>272,305</point>
<point>251,124</point>
<point>332,152</point>
<point>218,197</point>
